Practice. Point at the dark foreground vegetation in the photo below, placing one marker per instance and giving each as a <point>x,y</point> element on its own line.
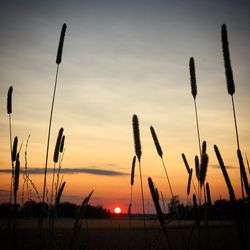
<point>117,234</point>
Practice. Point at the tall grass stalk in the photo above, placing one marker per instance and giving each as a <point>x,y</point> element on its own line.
<point>9,112</point>
<point>79,218</point>
<point>188,170</point>
<point>160,215</point>
<point>236,214</point>
<point>230,86</point>
<point>16,178</point>
<point>160,153</point>
<point>55,159</point>
<point>131,188</point>
<point>61,155</point>
<point>194,94</point>
<point>138,152</point>
<point>203,173</point>
<point>58,61</point>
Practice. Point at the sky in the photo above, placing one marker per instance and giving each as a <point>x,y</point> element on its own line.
<point>122,58</point>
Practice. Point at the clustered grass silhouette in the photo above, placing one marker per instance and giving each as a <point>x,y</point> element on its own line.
<point>201,164</point>
<point>57,184</point>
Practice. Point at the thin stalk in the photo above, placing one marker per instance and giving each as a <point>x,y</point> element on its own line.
<point>47,153</point>
<point>167,178</point>
<point>12,164</point>
<point>197,125</point>
<point>237,141</point>
<point>142,197</point>
<point>52,186</point>
<point>48,140</point>
<point>130,205</point>
<point>163,203</point>
<point>235,124</point>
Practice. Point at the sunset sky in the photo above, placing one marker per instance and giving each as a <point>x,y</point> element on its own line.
<point>122,58</point>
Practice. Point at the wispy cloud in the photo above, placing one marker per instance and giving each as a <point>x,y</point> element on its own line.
<point>218,166</point>
<point>94,171</point>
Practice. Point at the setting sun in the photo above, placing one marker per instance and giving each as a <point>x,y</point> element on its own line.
<point>117,210</point>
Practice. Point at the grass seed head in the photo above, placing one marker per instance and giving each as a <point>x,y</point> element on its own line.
<point>186,163</point>
<point>156,141</point>
<point>14,149</point>
<point>204,147</point>
<point>156,202</point>
<point>192,77</point>
<point>197,167</point>
<point>225,174</point>
<point>62,144</point>
<point>227,61</point>
<point>16,176</point>
<point>9,100</point>
<point>203,168</point>
<point>58,143</point>
<point>137,140</point>
<point>60,46</point>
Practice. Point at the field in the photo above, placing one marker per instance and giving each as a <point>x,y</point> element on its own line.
<point>116,234</point>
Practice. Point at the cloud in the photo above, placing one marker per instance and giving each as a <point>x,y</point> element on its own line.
<point>94,171</point>
<point>218,166</point>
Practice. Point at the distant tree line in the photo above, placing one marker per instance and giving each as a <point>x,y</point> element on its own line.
<point>220,210</point>
<point>66,209</point>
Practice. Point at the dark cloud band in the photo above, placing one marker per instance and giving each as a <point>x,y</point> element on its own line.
<point>95,171</point>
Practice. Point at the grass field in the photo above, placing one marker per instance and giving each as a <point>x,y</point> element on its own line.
<point>116,234</point>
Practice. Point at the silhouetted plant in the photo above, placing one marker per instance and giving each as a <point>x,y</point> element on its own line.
<point>61,155</point>
<point>9,112</point>
<point>160,153</point>
<point>16,177</point>
<point>188,170</point>
<point>204,148</point>
<point>196,211</point>
<point>230,85</point>
<point>160,215</point>
<point>243,171</point>
<point>189,181</point>
<point>55,159</point>
<point>58,61</point>
<point>236,215</point>
<point>194,94</point>
<point>209,200</point>
<point>138,152</point>
<point>132,179</point>
<point>203,169</point>
<point>79,218</point>
<point>27,179</point>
